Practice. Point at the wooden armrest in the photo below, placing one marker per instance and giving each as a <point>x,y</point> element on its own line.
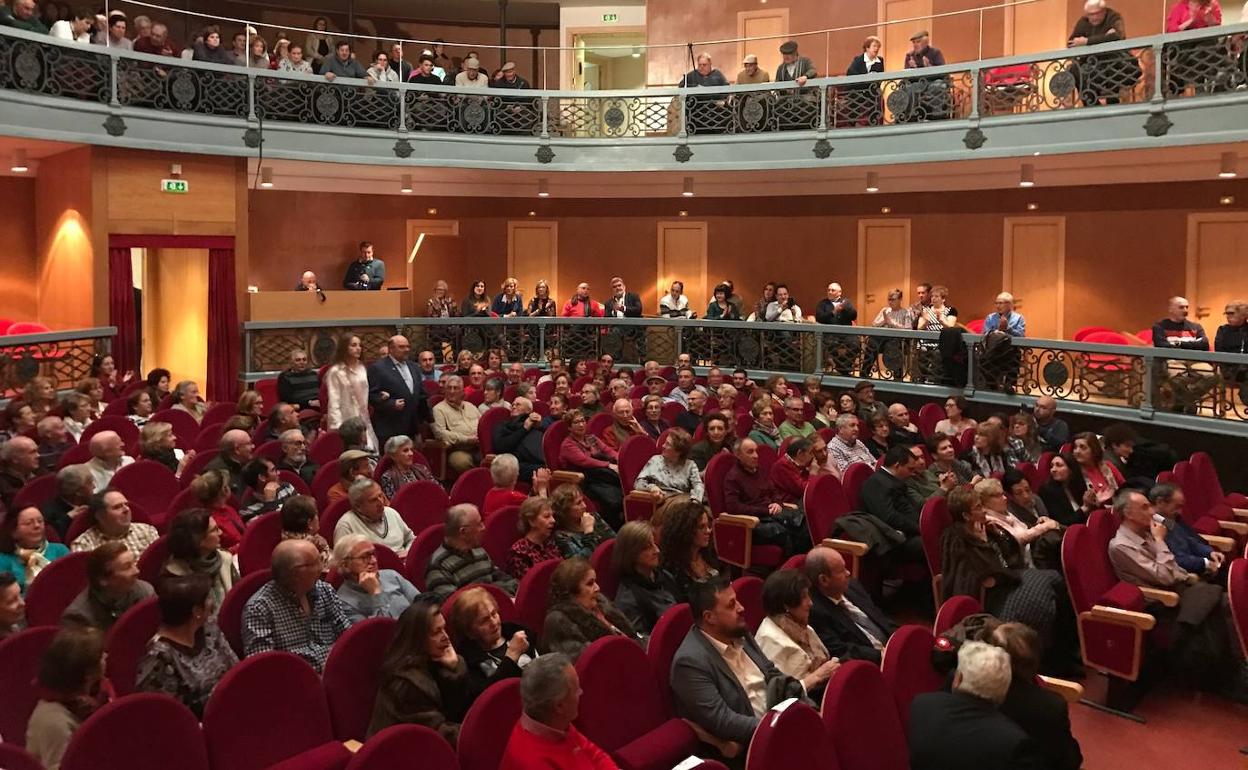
<point>1140,620</point>
<point>1240,528</point>
<point>846,546</point>
<point>1219,543</point>
<point>487,461</point>
<point>645,496</point>
<point>737,520</point>
<point>352,745</point>
<point>565,477</point>
<point>1134,340</point>
<point>1166,598</point>
<point>1241,512</point>
<point>1071,692</point>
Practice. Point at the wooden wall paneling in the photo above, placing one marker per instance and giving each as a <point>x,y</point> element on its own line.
<point>175,312</point>
<point>682,256</point>
<point>533,255</point>
<point>760,23</point>
<point>1034,271</point>
<point>19,263</point>
<point>1217,251</point>
<point>72,273</point>
<point>883,262</point>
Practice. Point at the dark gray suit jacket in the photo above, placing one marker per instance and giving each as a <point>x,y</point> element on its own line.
<point>804,67</point>
<point>708,693</point>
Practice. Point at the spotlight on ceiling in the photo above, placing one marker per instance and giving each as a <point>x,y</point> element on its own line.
<point>873,182</point>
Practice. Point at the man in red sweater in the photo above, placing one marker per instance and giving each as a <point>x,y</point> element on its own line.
<point>544,738</point>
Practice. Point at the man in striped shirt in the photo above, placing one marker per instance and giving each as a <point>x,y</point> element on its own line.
<point>461,560</point>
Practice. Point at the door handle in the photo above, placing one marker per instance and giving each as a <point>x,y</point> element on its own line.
<point>1202,311</point>
<point>1018,303</point>
<point>870,298</point>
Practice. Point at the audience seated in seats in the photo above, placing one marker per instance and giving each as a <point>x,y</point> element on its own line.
<point>974,549</point>
<point>461,560</point>
<point>295,611</point>
<point>686,551</point>
<point>474,382</point>
<point>492,650</point>
<point>1097,473</point>
<point>54,441</point>
<point>235,451</point>
<point>505,472</point>
<point>1066,495</point>
<point>1202,647</point>
<point>424,681</point>
<point>1027,507</point>
<point>842,613</point>
<point>282,417</point>
<point>721,680</point>
<point>19,418</point>
<point>785,635</point>
<point>521,436</point>
<point>299,384</point>
<point>641,596</point>
<point>77,414</point>
<point>158,382</point>
<point>72,687</point>
<point>1039,543</point>
<point>749,492</point>
<point>110,511</point>
<point>672,475</point>
<point>1040,712</point>
<point>40,394</point>
<point>295,456</point>
<point>157,442</point>
<point>1023,431</point>
<point>113,382</point>
<point>956,419</point>
<point>578,612</point>
<point>194,543</point>
<point>24,547</point>
<point>492,395</point>
<point>212,490</point>
<point>581,451</point>
<point>1190,550</point>
<point>765,431</point>
<point>987,455</point>
<point>140,407</point>
<point>925,483</point>
<point>429,371</point>
<point>578,531</point>
<point>791,472</point>
<point>825,412</point>
<point>366,590</point>
<point>685,385</point>
<point>353,465</point>
<point>877,441</point>
<point>189,654</point>
<point>868,407</point>
<point>113,586</point>
<point>624,425</point>
<point>74,487</point>
<point>250,409</point>
<point>300,522</point>
<point>1052,430</point>
<point>845,448</point>
<point>795,423</point>
<point>545,735</point>
<point>455,424</point>
<point>718,436</point>
<point>92,390</point>
<point>108,455</point>
<point>371,516</point>
<point>901,430</point>
<point>1176,332</point>
<point>12,606</point>
<point>785,308</point>
<point>964,728</point>
<point>537,544</point>
<point>266,488</point>
<point>186,399</point>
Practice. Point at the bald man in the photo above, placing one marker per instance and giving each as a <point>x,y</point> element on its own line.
<point>842,613</point>
<point>295,611</point>
<point>235,451</point>
<point>396,392</point>
<point>624,424</point>
<point>308,282</point>
<point>108,455</point>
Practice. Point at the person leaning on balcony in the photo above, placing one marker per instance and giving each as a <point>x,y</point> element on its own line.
<point>923,53</point>
<point>157,42</point>
<point>210,50</point>
<point>343,64</point>
<point>472,76</point>
<point>24,16</point>
<point>1098,24</point>
<point>751,73</point>
<point>76,28</point>
<point>794,67</point>
<point>319,45</point>
<point>381,71</point>
<point>510,78</point>
<point>424,73</point>
<point>704,74</point>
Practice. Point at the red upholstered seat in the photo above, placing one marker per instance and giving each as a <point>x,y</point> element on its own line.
<point>672,410</point>
<point>953,611</point>
<point>230,616</point>
<point>502,528</point>
<point>260,537</point>
<point>267,388</point>
<point>14,757</point>
<point>219,413</point>
<point>326,476</point>
<point>1237,593</point>
<point>398,745</point>
<point>907,667</point>
<point>487,726</point>
<point>934,519</point>
<point>490,419</point>
<point>471,487</point>
<point>551,439</point>
<point>295,480</point>
<point>533,594</point>
<point>330,514</point>
<point>268,449</point>
<point>138,732</point>
<point>635,452</point>
<point>184,426</point>
<point>127,643</point>
<point>604,568</point>
<point>665,639</point>
<point>750,593</point>
<point>929,415</point>
<point>148,483</point>
<point>353,674</point>
<point>197,464</point>
<point>35,492</point>
<point>861,717</point>
<point>120,425</point>
<point>326,448</point>
<point>851,482</point>
<point>418,556</point>
<point>422,504</point>
<point>209,436</point>
<point>54,588</point>
<point>643,736</point>
<point>793,737</point>
<point>249,723</point>
<point>824,503</point>
<point>1123,595</point>
<point>19,662</point>
<point>599,423</point>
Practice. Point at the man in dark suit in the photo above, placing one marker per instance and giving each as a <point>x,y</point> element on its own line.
<point>842,613</point>
<point>522,436</point>
<point>884,496</point>
<point>626,304</point>
<point>962,729</point>
<point>1041,712</point>
<point>396,394</point>
<point>720,676</point>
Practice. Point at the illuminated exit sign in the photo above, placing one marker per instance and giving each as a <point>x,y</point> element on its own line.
<point>610,18</point>
<point>177,186</point>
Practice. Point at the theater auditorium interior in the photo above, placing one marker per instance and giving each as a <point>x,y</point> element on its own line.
<point>753,384</point>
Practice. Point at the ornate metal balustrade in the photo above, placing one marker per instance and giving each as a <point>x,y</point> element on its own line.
<point>63,357</point>
<point>1204,391</point>
<point>1155,70</point>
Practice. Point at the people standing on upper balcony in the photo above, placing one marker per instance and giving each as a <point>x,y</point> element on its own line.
<point>366,273</point>
<point>343,64</point>
<point>508,303</point>
<point>581,305</point>
<point>836,309</point>
<point>751,73</point>
<point>784,309</point>
<point>1005,318</point>
<point>24,16</point>
<point>210,49</point>
<point>1194,14</point>
<point>1232,336</point>
<point>472,76</point>
<point>319,45</point>
<point>381,71</point>
<point>424,73</point>
<point>1100,24</point>
<point>870,60</point>
<point>477,303</point>
<point>720,308</point>
<point>258,59</point>
<point>1200,62</point>
<point>794,67</point>
<point>76,28</point>
<point>923,54</point>
<point>864,105</point>
<point>117,32</point>
<point>1175,331</point>
<point>239,51</point>
<point>397,65</point>
<point>510,78</point>
<point>704,74</point>
<point>156,42</point>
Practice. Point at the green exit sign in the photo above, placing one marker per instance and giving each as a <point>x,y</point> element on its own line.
<point>610,18</point>
<point>177,186</point>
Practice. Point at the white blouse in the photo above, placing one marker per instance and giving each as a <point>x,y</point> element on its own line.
<point>788,656</point>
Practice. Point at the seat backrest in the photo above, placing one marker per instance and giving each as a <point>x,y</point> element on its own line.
<point>614,671</point>
<point>260,537</point>
<point>604,567</point>
<point>471,487</point>
<point>221,412</point>
<point>1103,524</point>
<point>750,593</point>
<point>635,452</point>
<point>326,448</point>
<point>230,616</point>
<point>54,588</point>
<point>148,483</point>
<point>716,471</point>
<point>147,729</point>
<point>35,492</point>
<point>794,737</point>
<point>249,723</point>
<point>422,504</point>
<point>197,464</point>
<point>851,482</point>
<point>418,556</point>
<point>326,476</point>
<point>183,424</point>
<point>12,756</point>
<point>1088,574</point>
<point>353,674</point>
<point>953,610</point>
<point>127,643</point>
<point>670,630</point>
<point>824,503</point>
<point>1082,333</point>
<point>599,423</point>
<point>399,745</point>
<point>490,419</point>
<point>330,514</point>
<point>209,436</point>
<point>1237,593</point>
<point>934,519</point>
<point>861,717</point>
<point>671,410</point>
<point>19,663</point>
<point>929,415</point>
<point>552,438</point>
<point>502,528</point>
<point>533,595</point>
<point>487,726</point>
<point>907,667</point>
<point>120,425</point>
<point>295,480</point>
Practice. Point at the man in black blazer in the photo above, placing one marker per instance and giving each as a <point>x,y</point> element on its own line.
<point>626,304</point>
<point>842,613</point>
<point>884,496</point>
<point>962,729</point>
<point>1041,713</point>
<point>396,393</point>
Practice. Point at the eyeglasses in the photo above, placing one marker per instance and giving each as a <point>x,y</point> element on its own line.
<point>366,556</point>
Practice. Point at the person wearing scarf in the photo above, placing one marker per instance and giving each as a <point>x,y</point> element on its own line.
<point>71,687</point>
<point>765,431</point>
<point>24,548</point>
<point>579,613</point>
<point>785,635</point>
<point>113,586</point>
<point>194,543</point>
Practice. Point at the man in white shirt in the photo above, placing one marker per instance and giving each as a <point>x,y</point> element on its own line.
<point>108,455</point>
<point>783,309</point>
<point>77,29</point>
<point>455,424</point>
<point>472,76</point>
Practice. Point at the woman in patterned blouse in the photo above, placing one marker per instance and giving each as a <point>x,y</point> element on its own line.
<point>537,524</point>
<point>578,531</point>
<point>404,469</point>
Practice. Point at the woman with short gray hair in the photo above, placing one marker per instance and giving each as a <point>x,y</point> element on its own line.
<point>367,591</point>
<point>405,466</point>
<point>505,472</point>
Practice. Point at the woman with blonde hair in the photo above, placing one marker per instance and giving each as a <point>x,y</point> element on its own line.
<point>508,303</point>
<point>93,389</point>
<point>542,304</point>
<point>158,442</point>
<point>251,408</point>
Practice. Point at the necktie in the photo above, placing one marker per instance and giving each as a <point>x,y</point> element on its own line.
<point>862,621</point>
<point>406,374</point>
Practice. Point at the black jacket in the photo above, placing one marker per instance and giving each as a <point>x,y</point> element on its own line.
<point>956,731</point>
<point>859,66</point>
<point>837,630</point>
<point>513,438</point>
<point>1231,339</point>
<point>1043,715</point>
<point>631,305</point>
<point>388,419</point>
<point>299,388</point>
<point>884,496</point>
<point>642,601</point>
<point>826,313</point>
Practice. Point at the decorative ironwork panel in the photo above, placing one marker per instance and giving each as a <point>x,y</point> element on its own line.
<point>613,117</point>
<point>426,110</point>
<point>181,89</point>
<point>922,99</point>
<point>753,112</point>
<point>487,114</point>
<point>1205,66</point>
<point>65,362</point>
<point>1102,378</point>
<point>53,70</point>
<point>271,348</point>
<point>1079,80</point>
<point>327,104</point>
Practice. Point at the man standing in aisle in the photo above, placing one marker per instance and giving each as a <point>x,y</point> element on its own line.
<point>366,273</point>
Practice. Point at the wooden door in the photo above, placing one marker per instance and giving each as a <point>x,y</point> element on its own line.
<point>1037,26</point>
<point>770,23</point>
<point>1217,250</point>
<point>1034,271</point>
<point>883,264</point>
<point>533,255</point>
<point>896,37</point>
<point>682,257</point>
<point>175,313</point>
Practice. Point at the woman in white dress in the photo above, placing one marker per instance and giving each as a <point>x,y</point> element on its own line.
<point>347,384</point>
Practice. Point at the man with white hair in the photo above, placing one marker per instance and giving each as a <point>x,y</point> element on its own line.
<point>521,436</point>
<point>1005,318</point>
<point>367,591</point>
<point>54,441</point>
<point>1000,359</point>
<point>295,456</point>
<point>550,692</point>
<point>108,455</point>
<point>19,462</point>
<point>460,559</point>
<point>371,517</point>
<point>624,424</point>
<point>472,76</point>
<point>455,424</point>
<point>1102,77</point>
<point>964,728</point>
<point>74,487</point>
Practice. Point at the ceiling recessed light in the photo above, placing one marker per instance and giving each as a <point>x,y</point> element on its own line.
<point>684,213</point>
<point>1227,200</point>
<point>1027,176</point>
<point>532,213</point>
<point>873,182</point>
<point>1227,171</point>
<point>20,164</point>
<point>266,177</point>
<point>687,190</point>
<point>431,212</point>
<point>405,186</point>
<point>886,210</point>
<point>543,188</point>
<point>1032,206</point>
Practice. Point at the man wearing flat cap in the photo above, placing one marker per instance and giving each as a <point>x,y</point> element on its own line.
<point>517,114</point>
<point>472,76</point>
<point>751,73</point>
<point>510,78</point>
<point>924,54</point>
<point>794,67</point>
<point>801,105</point>
<point>929,97</point>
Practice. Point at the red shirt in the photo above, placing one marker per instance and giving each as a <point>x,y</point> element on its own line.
<point>529,750</point>
<point>789,480</point>
<point>497,499</point>
<point>231,525</point>
<point>576,309</point>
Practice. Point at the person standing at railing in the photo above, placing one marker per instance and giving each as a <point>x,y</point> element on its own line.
<point>1196,62</point>
<point>472,76</point>
<point>862,105</point>
<point>751,73</point>
<point>76,28</point>
<point>1000,359</point>
<point>930,98</point>
<point>1105,76</point>
<point>319,45</point>
<point>581,305</point>
<point>343,65</point>
<point>366,273</point>
<point>24,16</point>
<point>157,42</point>
<point>793,67</point>
<point>210,49</point>
<point>401,68</point>
<point>1175,331</point>
<point>293,61</point>
<point>381,71</point>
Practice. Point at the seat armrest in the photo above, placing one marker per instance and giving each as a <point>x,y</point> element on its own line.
<point>435,452</point>
<point>1071,692</point>
<point>487,461</point>
<point>558,478</point>
<point>352,745</point>
<point>737,520</point>
<point>653,498</point>
<point>1139,620</point>
<point>1164,597</point>
<point>846,546</point>
<point>1241,513</point>
<point>1219,543</point>
<point>1239,528</point>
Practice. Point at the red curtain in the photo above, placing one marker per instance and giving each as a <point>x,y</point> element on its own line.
<point>121,309</point>
<point>223,331</point>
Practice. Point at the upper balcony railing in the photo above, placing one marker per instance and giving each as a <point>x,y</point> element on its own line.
<point>1158,71</point>
<point>64,357</point>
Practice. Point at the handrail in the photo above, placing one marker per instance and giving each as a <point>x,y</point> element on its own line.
<point>39,338</point>
<point>62,356</point>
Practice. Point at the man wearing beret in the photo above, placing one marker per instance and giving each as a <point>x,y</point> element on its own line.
<point>794,67</point>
